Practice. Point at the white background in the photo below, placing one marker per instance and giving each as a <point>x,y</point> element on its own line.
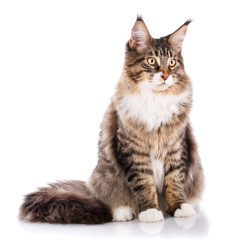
<point>59,63</point>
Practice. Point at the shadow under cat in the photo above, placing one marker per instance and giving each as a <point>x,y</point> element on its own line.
<point>196,226</point>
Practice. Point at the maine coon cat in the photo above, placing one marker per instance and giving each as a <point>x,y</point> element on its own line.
<point>148,163</point>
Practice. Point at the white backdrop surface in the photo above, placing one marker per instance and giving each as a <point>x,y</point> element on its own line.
<point>59,63</point>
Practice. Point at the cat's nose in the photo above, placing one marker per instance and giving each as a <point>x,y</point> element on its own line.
<point>165,74</point>
<point>165,77</point>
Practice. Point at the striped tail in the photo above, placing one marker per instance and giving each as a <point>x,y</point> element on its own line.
<point>64,202</point>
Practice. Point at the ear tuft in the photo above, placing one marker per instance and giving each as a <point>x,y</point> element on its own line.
<point>139,18</point>
<point>187,22</point>
<point>176,38</point>
<point>140,37</point>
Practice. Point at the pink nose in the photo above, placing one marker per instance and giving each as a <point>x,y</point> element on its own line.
<point>164,77</point>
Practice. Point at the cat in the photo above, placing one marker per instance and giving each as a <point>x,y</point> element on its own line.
<point>148,164</point>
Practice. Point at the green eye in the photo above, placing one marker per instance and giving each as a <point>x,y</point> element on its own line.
<point>151,61</point>
<point>172,62</point>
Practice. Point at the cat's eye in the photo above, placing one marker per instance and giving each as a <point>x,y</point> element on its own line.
<point>172,62</point>
<point>151,61</point>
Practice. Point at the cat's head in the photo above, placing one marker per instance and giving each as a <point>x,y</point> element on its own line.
<point>156,63</point>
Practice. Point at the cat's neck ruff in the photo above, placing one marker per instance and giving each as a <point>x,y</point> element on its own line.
<point>152,109</point>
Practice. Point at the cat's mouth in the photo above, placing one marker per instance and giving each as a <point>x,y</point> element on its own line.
<point>157,83</point>
<point>161,79</point>
<point>160,82</point>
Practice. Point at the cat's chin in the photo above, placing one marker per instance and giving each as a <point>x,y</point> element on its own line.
<point>155,87</point>
<point>161,87</point>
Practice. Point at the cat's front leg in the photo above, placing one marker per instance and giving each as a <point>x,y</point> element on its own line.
<point>139,177</point>
<point>174,178</point>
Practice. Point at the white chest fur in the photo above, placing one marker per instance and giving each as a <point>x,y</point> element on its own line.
<point>151,108</point>
<point>157,166</point>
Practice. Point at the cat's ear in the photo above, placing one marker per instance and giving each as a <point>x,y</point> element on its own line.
<point>176,39</point>
<point>140,36</point>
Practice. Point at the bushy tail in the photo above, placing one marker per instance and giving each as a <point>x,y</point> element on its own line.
<point>64,202</point>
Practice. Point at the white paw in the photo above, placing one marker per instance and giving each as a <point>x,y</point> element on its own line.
<point>122,214</point>
<point>151,215</point>
<point>186,210</point>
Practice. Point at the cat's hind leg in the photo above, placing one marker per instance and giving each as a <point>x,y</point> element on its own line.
<point>123,214</point>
